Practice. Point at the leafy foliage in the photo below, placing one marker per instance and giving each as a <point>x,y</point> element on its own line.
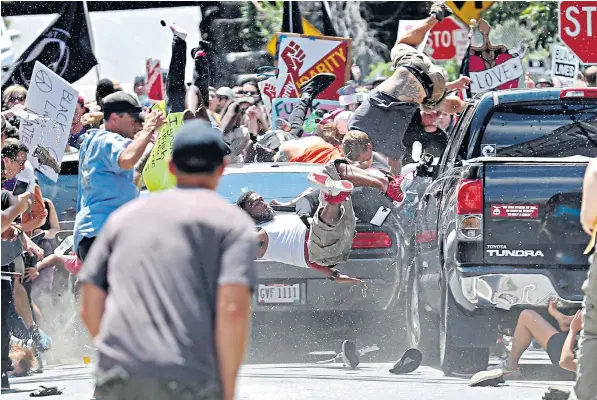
<point>540,18</point>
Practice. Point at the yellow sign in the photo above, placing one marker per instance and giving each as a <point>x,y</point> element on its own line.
<point>156,174</point>
<point>467,10</point>
<point>308,29</point>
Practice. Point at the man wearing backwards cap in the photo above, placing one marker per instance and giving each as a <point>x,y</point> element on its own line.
<point>106,161</point>
<point>188,270</point>
<point>416,82</point>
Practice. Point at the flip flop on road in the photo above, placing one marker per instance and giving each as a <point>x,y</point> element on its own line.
<point>494,377</point>
<point>409,362</point>
<point>44,391</point>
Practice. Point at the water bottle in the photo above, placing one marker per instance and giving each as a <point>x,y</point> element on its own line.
<point>64,246</point>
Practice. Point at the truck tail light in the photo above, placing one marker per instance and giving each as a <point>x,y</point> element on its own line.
<point>470,197</point>
<point>579,93</point>
<point>372,240</point>
<point>470,210</point>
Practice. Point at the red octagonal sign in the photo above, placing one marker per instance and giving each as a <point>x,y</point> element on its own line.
<point>444,39</point>
<point>578,28</point>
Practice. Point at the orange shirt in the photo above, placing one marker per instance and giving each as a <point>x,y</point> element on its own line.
<point>320,153</point>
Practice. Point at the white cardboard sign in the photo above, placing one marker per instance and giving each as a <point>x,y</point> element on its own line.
<point>55,100</point>
<point>564,65</point>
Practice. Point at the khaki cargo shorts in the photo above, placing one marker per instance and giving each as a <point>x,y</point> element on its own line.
<point>403,54</point>
<point>329,245</point>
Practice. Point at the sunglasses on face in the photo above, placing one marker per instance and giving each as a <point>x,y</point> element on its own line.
<point>250,93</point>
<point>22,163</point>
<point>16,99</point>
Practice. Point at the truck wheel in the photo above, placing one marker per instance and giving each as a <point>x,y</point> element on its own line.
<point>454,358</point>
<point>421,325</point>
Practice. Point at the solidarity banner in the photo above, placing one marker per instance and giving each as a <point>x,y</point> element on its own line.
<point>156,174</point>
<point>54,100</point>
<point>301,57</point>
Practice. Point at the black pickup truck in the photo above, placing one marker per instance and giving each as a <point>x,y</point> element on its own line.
<point>496,229</point>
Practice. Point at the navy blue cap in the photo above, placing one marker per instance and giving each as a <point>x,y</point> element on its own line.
<point>198,147</point>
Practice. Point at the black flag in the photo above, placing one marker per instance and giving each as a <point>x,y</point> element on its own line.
<point>292,21</point>
<point>64,47</point>
<point>328,26</point>
<point>465,68</point>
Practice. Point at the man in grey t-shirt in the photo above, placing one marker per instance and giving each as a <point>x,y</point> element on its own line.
<point>169,278</point>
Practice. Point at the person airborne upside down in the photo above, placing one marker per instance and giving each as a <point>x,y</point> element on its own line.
<point>326,241</point>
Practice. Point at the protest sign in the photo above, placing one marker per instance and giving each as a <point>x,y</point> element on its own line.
<point>156,174</point>
<point>55,100</point>
<point>155,80</point>
<point>282,108</point>
<point>301,57</point>
<point>267,89</point>
<point>564,65</point>
<point>494,66</point>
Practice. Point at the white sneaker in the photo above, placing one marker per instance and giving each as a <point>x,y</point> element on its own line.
<point>329,185</point>
<point>178,31</point>
<point>350,356</point>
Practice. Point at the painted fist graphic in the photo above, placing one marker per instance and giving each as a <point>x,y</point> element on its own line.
<point>294,57</point>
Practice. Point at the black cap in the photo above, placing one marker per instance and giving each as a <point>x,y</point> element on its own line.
<point>198,147</point>
<point>122,102</point>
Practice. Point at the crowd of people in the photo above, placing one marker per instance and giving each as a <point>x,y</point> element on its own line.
<point>119,246</point>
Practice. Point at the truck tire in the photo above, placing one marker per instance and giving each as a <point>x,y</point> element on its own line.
<point>453,358</point>
<point>421,325</point>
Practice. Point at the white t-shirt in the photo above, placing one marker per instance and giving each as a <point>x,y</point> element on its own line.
<point>28,174</point>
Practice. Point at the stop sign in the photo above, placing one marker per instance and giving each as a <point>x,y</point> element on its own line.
<point>578,28</point>
<point>446,40</point>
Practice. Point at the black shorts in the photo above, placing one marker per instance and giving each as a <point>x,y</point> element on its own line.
<point>84,247</point>
<point>555,344</point>
<point>385,119</point>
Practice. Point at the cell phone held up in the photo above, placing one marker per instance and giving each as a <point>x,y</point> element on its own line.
<point>21,186</point>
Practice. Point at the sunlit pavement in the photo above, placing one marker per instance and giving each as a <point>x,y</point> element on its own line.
<point>330,381</point>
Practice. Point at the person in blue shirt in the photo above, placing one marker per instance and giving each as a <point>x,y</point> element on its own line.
<point>107,158</point>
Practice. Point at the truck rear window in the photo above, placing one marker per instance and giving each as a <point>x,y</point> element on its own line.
<point>542,130</point>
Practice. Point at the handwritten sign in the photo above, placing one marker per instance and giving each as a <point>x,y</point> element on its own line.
<point>156,174</point>
<point>564,65</point>
<point>282,108</point>
<point>55,100</point>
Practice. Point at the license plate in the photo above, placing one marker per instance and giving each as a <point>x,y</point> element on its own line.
<point>279,293</point>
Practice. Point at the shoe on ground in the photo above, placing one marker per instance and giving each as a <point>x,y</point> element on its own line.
<point>328,185</point>
<point>494,377</point>
<point>440,10</point>
<point>556,393</point>
<point>316,85</point>
<point>409,362</point>
<point>350,356</point>
<point>508,373</point>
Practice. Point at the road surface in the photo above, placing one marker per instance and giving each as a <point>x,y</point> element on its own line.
<point>290,381</point>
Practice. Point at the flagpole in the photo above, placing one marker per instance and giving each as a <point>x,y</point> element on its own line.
<point>90,30</point>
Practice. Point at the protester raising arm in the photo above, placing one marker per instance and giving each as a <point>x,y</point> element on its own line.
<point>134,151</point>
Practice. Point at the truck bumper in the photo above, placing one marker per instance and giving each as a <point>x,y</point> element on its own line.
<point>506,287</point>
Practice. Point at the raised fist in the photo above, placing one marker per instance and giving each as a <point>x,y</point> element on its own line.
<point>269,90</point>
<point>293,56</point>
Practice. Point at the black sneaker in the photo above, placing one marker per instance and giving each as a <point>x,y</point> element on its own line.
<point>494,377</point>
<point>5,383</point>
<point>440,10</point>
<point>316,85</point>
<point>409,362</point>
<point>350,356</point>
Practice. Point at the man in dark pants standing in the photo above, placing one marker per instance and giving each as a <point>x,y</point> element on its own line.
<point>12,207</point>
<point>166,286</point>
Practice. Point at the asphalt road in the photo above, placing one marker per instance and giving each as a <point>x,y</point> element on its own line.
<point>289,381</point>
